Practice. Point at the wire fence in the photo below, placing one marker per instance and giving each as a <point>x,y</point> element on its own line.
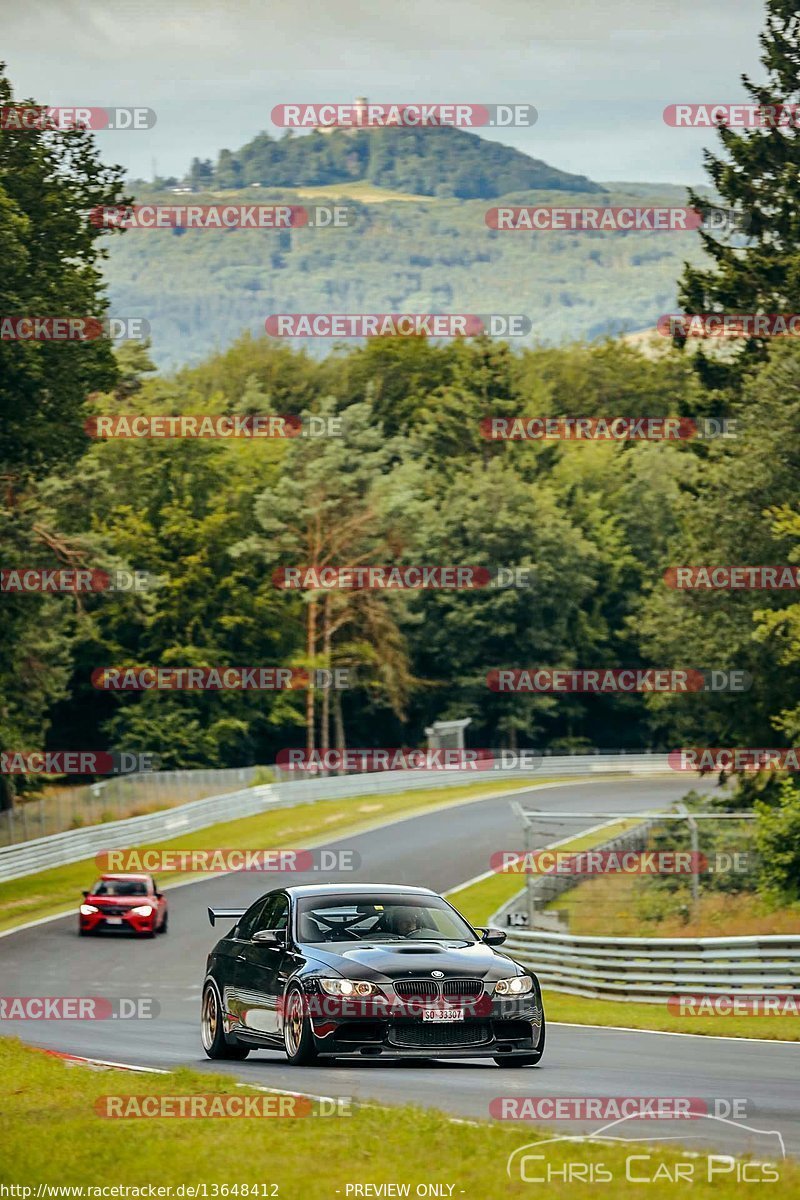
<point>62,808</point>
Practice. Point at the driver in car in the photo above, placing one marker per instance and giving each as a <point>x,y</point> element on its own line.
<point>407,921</point>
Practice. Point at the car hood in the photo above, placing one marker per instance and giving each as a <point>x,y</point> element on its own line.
<point>130,900</point>
<point>408,961</point>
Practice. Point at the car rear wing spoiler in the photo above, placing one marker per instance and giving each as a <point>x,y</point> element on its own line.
<point>225,914</point>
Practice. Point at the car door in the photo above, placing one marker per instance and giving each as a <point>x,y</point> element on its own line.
<point>258,975</point>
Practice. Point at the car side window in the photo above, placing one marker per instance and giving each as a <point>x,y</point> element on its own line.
<point>264,918</point>
<point>275,914</point>
<point>250,922</point>
<point>278,915</point>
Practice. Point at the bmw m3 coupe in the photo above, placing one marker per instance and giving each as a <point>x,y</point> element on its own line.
<point>366,971</point>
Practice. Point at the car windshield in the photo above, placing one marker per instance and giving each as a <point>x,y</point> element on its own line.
<point>379,918</point>
<point>120,887</point>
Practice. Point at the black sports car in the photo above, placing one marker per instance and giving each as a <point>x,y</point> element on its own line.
<point>366,971</point>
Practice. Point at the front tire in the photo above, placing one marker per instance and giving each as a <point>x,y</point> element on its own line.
<point>163,928</point>
<point>212,1033</point>
<point>298,1038</point>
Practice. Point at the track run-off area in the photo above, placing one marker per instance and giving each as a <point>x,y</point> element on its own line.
<point>438,849</point>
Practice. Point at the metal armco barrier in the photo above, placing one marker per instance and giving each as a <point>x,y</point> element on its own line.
<point>653,969</point>
<point>26,858</point>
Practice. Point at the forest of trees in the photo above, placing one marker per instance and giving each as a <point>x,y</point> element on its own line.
<point>410,480</point>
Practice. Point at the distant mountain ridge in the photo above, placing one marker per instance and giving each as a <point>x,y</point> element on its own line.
<point>443,162</point>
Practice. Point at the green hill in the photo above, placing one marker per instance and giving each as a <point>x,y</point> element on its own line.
<point>428,162</point>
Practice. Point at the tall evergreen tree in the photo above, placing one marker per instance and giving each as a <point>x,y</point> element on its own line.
<point>758,175</point>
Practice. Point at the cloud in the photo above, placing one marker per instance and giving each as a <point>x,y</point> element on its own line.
<point>600,75</point>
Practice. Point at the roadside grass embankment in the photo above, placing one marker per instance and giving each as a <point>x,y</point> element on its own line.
<point>53,1134</point>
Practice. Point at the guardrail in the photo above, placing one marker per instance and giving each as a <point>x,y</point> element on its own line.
<point>653,969</point>
<point>114,799</point>
<point>26,858</point>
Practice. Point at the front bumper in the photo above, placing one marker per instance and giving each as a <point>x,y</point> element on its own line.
<point>118,922</point>
<point>506,1027</point>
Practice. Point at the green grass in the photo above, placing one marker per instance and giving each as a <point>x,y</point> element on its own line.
<point>52,1134</point>
<point>478,901</point>
<point>582,1010</point>
<point>59,889</point>
<point>358,189</point>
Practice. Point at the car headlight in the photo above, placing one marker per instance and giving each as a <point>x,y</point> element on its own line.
<point>518,985</point>
<point>88,909</point>
<point>142,910</point>
<point>349,987</point>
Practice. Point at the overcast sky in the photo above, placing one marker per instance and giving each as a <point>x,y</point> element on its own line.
<point>600,72</point>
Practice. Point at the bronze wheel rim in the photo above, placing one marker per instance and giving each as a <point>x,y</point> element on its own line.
<point>293,1025</point>
<point>209,1023</point>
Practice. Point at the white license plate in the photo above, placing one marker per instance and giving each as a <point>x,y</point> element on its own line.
<point>443,1015</point>
<point>114,920</point>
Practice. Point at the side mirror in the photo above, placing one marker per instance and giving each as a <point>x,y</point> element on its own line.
<point>270,937</point>
<point>493,937</point>
<point>86,895</point>
<point>159,895</point>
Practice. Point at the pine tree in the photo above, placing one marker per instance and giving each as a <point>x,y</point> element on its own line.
<point>758,175</point>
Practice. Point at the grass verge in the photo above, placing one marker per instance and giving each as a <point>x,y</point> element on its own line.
<point>582,1010</point>
<point>54,1135</point>
<point>623,902</point>
<point>58,889</point>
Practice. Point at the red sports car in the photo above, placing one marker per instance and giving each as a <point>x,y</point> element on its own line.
<point>130,902</point>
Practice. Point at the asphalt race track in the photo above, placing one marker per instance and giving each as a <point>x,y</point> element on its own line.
<point>439,850</point>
